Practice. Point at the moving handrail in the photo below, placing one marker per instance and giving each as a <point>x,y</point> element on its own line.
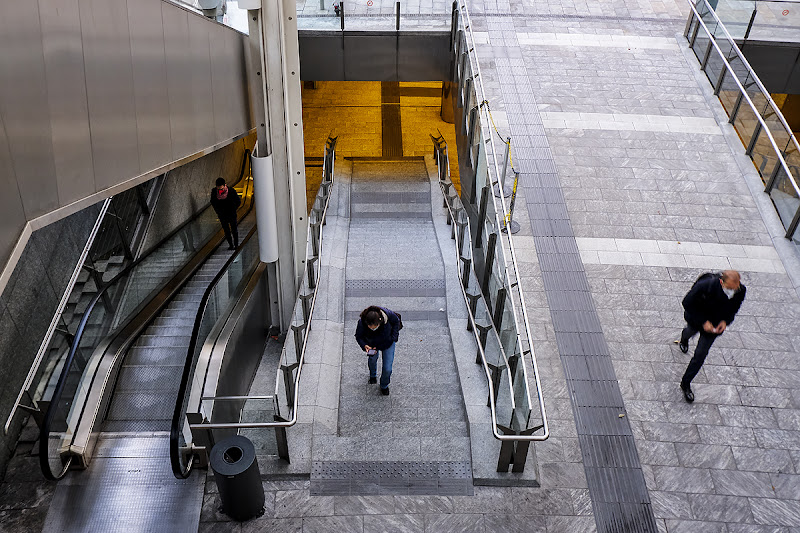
<point>86,363</point>
<point>289,370</point>
<point>771,179</point>
<point>179,415</point>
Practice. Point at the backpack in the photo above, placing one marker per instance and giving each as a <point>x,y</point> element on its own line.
<point>704,276</point>
<point>399,318</point>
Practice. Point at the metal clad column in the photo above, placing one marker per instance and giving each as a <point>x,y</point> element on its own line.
<point>275,80</point>
<point>264,195</point>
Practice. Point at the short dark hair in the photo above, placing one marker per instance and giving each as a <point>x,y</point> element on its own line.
<point>220,182</point>
<point>371,316</point>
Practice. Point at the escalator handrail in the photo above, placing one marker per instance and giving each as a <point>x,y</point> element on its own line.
<point>44,434</point>
<point>175,428</point>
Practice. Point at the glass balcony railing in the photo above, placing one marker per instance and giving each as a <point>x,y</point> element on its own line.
<point>767,137</point>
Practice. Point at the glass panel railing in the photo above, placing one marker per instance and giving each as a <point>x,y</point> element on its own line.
<point>218,300</point>
<point>106,315</point>
<point>374,16</point>
<point>768,139</point>
<point>488,225</point>
<point>736,15</point>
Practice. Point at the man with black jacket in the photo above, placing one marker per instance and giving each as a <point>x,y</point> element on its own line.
<point>710,307</point>
<point>225,201</point>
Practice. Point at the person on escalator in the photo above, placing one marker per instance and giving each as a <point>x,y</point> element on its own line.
<point>225,202</point>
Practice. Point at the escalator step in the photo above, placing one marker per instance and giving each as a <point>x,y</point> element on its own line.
<point>166,356</point>
<point>142,405</point>
<point>136,426</point>
<point>153,341</point>
<point>150,378</point>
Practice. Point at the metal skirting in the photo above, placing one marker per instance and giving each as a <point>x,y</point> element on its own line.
<point>353,478</point>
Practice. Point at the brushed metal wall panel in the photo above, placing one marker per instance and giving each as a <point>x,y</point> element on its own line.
<point>66,94</point>
<point>179,79</point>
<point>201,94</point>
<point>109,87</point>
<point>221,82</point>
<point>242,118</point>
<point>23,104</point>
<point>12,216</point>
<point>150,83</point>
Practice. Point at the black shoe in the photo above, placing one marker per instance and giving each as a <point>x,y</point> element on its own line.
<point>231,247</point>
<point>688,395</point>
<point>373,381</point>
<point>385,391</point>
<point>683,346</point>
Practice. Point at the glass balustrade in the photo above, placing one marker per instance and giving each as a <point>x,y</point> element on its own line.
<point>106,315</point>
<point>222,294</point>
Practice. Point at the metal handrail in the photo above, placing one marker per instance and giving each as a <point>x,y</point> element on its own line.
<point>743,91</point>
<point>301,357</point>
<point>44,433</point>
<point>177,419</point>
<point>453,215</point>
<point>37,361</point>
<point>472,56</point>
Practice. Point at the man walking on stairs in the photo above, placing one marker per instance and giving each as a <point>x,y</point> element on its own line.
<point>378,329</point>
<point>710,307</point>
<point>225,201</point>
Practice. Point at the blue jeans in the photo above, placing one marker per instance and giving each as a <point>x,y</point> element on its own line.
<point>386,371</point>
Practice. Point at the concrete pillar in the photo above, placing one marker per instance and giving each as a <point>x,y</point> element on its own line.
<point>276,104</point>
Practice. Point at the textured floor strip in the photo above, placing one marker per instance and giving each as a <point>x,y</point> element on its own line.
<point>391,128</point>
<point>399,478</point>
<point>620,498</point>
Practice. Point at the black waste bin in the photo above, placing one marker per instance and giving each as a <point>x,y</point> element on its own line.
<point>233,461</point>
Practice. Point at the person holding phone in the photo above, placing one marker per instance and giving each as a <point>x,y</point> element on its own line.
<point>378,330</point>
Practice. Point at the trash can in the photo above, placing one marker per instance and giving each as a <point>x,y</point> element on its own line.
<point>233,461</point>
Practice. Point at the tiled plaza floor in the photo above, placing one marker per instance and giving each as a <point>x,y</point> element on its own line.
<point>604,96</point>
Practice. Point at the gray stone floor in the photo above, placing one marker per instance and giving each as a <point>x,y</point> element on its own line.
<point>640,150</point>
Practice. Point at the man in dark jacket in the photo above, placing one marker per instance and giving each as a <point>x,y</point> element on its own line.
<point>378,329</point>
<point>710,307</point>
<point>225,202</point>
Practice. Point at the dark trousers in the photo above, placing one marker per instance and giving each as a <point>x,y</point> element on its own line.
<point>231,231</point>
<point>700,353</point>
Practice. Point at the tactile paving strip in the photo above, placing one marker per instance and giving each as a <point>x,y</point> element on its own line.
<point>395,287</point>
<point>620,499</point>
<point>354,478</point>
<point>614,475</point>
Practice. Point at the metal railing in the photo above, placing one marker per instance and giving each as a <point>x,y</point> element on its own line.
<point>493,322</point>
<point>54,324</point>
<point>487,220</point>
<point>100,323</point>
<point>116,231</point>
<point>769,141</point>
<point>291,360</point>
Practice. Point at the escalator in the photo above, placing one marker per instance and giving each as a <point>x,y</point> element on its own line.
<point>112,405</point>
